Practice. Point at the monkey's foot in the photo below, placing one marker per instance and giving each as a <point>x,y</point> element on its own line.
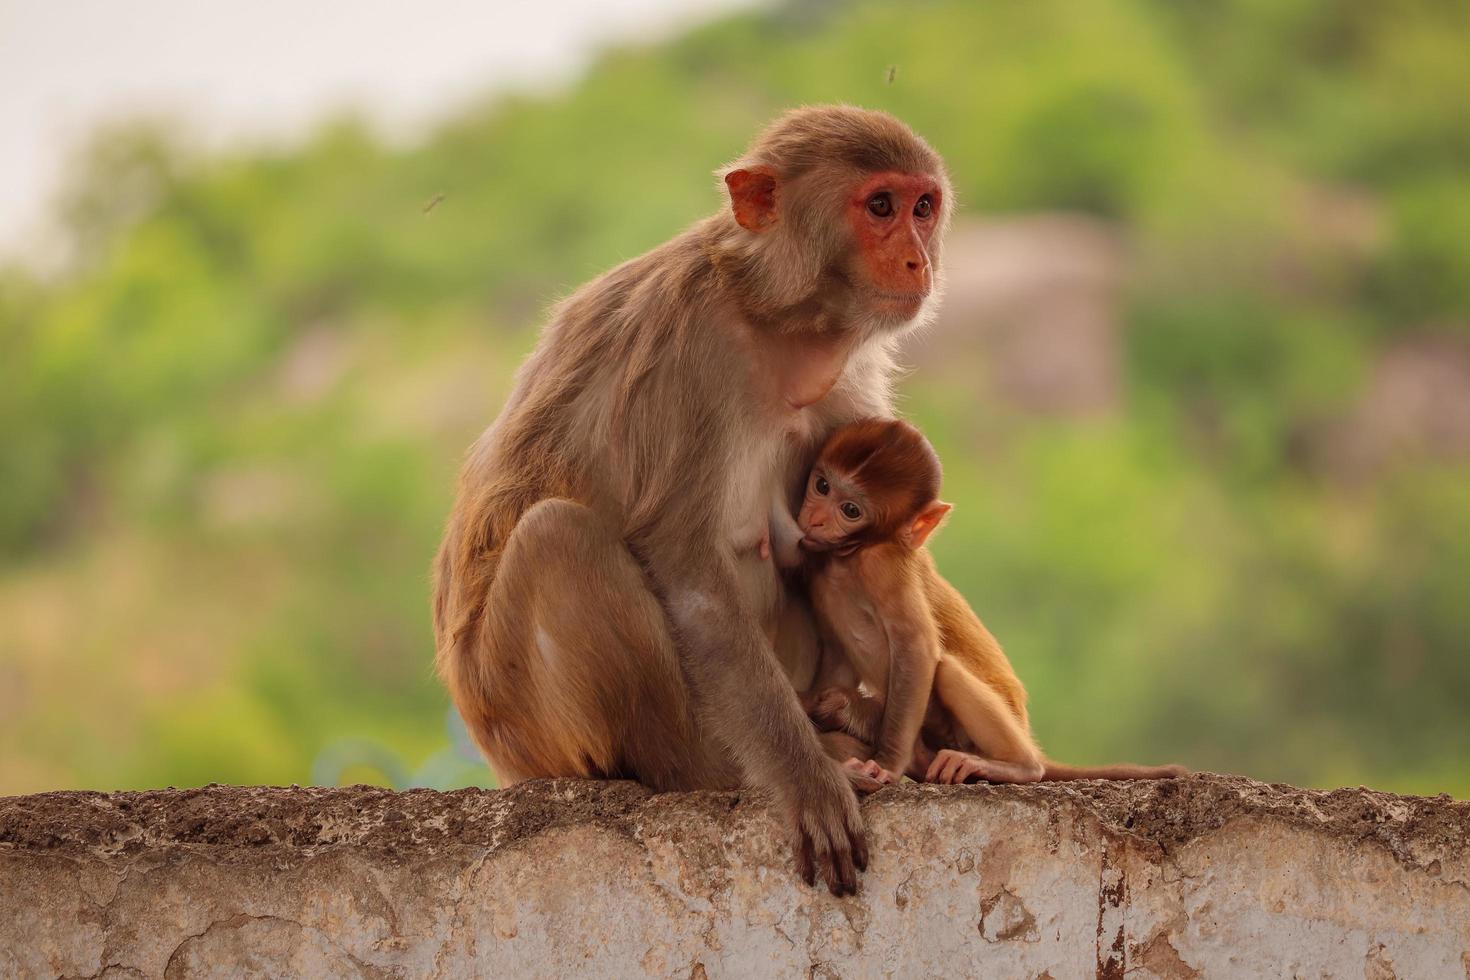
<point>952,766</point>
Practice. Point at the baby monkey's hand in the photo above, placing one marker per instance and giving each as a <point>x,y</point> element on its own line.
<point>872,770</point>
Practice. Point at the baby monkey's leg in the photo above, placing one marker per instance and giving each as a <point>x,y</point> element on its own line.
<point>1009,754</point>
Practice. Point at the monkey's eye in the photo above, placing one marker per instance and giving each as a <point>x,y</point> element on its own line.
<point>925,207</point>
<point>880,205</point>
<point>850,511</point>
<point>822,486</point>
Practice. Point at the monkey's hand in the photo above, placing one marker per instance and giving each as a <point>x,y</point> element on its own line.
<point>875,776</point>
<point>829,831</point>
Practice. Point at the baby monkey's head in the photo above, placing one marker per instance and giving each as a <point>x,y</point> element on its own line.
<point>875,480</point>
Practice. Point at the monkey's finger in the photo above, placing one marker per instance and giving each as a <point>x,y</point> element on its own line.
<point>936,769</point>
<point>951,767</point>
<point>859,780</point>
<point>846,873</point>
<point>836,860</point>
<point>827,863</point>
<point>804,863</point>
<point>859,849</point>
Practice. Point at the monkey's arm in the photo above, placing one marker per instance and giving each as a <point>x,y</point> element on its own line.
<point>746,703</point>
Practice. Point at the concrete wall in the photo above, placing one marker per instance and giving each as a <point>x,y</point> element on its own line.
<point>1207,876</point>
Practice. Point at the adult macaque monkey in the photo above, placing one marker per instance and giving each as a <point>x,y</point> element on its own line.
<point>890,620</point>
<point>604,599</point>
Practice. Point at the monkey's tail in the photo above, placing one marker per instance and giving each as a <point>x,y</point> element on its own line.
<point>1056,772</point>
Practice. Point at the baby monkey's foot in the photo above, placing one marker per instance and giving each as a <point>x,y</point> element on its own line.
<point>952,766</point>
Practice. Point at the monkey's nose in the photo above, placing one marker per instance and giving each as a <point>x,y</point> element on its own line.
<point>916,272</point>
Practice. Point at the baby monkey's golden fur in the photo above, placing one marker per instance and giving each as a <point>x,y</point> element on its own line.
<point>946,705</point>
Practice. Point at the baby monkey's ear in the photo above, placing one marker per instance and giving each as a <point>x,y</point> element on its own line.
<point>917,531</point>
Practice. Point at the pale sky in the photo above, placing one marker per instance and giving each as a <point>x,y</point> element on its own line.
<point>269,68</point>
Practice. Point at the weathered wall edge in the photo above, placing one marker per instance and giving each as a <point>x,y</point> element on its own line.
<point>1209,875</point>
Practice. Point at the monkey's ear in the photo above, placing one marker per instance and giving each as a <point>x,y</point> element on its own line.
<point>753,197</point>
<point>923,524</point>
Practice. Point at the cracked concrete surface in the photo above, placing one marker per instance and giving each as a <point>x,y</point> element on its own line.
<point>1206,876</point>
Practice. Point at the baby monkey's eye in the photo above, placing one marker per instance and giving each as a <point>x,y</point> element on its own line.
<point>822,486</point>
<point>850,511</point>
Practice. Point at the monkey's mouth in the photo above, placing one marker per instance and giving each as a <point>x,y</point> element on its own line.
<point>813,544</point>
<point>904,300</point>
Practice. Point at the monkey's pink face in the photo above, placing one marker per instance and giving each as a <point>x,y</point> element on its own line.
<point>833,511</point>
<point>894,217</point>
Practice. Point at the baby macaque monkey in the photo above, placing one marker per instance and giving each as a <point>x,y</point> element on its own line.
<point>945,705</point>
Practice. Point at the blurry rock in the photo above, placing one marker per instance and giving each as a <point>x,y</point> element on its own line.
<point>314,364</point>
<point>1415,403</point>
<point>1031,314</point>
<point>1334,233</point>
<point>248,496</point>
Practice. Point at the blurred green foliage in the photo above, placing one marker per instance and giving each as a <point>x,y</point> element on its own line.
<point>232,425</point>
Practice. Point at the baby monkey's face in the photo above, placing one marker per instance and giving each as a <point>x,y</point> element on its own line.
<point>835,509</point>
